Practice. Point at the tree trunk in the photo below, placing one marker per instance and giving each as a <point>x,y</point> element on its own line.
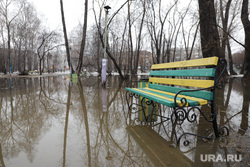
<point>139,40</point>
<point>65,36</point>
<point>98,59</point>
<point>83,38</point>
<point>246,23</point>
<point>40,66</point>
<point>210,41</point>
<point>225,39</point>
<point>9,47</point>
<point>19,56</point>
<point>224,20</point>
<point>230,58</point>
<point>130,41</point>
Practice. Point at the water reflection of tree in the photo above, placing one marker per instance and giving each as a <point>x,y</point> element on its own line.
<point>234,116</point>
<point>245,107</point>
<point>110,121</point>
<point>84,109</point>
<point>1,156</point>
<point>19,125</point>
<point>47,96</point>
<point>107,143</point>
<point>241,88</point>
<point>23,118</point>
<point>66,126</point>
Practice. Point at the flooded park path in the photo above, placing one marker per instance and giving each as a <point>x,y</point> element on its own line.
<point>49,121</point>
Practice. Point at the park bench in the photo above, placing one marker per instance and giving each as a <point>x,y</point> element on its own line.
<point>183,86</point>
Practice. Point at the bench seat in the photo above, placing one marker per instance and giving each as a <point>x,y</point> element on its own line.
<point>166,98</point>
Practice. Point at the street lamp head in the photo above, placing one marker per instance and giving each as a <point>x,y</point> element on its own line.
<point>107,8</point>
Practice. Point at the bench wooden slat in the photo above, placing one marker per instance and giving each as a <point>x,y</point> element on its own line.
<point>168,98</point>
<point>166,95</point>
<point>183,82</point>
<point>211,61</point>
<point>208,95</point>
<point>162,99</point>
<point>172,95</point>
<point>158,100</point>
<point>207,72</point>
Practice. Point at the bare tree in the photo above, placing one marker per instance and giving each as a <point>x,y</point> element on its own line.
<point>66,36</point>
<point>139,39</point>
<point>156,27</point>
<point>46,42</point>
<point>8,19</point>
<point>187,39</point>
<point>226,28</point>
<point>210,41</point>
<point>130,40</point>
<point>26,27</point>
<point>246,23</point>
<point>79,67</point>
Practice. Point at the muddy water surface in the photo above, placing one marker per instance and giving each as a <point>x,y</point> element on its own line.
<point>49,121</point>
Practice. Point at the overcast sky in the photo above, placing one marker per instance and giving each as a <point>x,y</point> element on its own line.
<point>74,10</point>
<point>50,9</point>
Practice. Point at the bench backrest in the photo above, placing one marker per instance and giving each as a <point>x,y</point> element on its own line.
<point>183,75</point>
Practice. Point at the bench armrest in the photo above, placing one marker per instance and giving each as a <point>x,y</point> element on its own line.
<point>222,62</point>
<point>184,100</point>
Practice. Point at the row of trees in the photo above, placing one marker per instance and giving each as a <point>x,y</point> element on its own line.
<point>25,42</point>
<point>170,30</point>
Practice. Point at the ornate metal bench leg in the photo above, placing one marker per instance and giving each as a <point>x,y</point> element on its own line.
<point>179,115</point>
<point>131,95</point>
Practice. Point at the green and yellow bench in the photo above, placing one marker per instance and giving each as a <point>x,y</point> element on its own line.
<point>183,86</point>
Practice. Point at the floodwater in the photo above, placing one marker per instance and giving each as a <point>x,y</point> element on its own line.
<point>50,122</point>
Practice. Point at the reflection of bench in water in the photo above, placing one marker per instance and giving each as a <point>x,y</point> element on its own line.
<point>157,148</point>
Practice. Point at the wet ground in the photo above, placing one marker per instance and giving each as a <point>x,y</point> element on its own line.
<point>49,121</point>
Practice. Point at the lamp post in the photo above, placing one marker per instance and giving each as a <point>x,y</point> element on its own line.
<point>104,60</point>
